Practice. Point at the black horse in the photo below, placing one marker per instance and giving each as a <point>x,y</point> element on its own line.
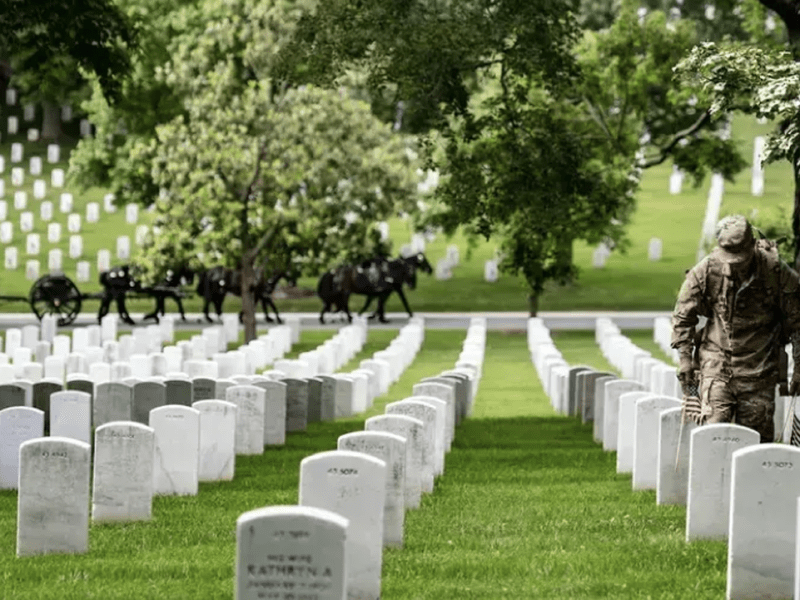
<point>169,287</point>
<point>215,283</point>
<point>117,282</point>
<point>376,278</point>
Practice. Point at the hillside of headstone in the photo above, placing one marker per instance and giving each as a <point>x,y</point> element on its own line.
<point>45,223</point>
<point>161,430</point>
<point>734,488</point>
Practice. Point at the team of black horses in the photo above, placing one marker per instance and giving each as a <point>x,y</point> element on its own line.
<point>376,279</point>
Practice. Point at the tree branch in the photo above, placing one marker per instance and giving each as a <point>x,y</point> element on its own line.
<point>667,150</point>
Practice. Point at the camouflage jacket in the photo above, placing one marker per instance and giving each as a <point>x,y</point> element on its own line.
<point>746,326</point>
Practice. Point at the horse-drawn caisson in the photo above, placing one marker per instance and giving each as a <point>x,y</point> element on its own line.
<point>377,278</point>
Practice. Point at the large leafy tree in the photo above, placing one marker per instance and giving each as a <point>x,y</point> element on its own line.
<point>300,175</point>
<point>52,47</point>
<point>760,77</point>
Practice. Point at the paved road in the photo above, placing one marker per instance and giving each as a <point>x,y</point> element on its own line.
<point>505,321</point>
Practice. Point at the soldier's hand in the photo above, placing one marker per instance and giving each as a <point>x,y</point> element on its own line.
<point>688,381</point>
<point>794,385</point>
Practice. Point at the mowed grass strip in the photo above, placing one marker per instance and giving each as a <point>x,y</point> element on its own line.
<point>529,507</point>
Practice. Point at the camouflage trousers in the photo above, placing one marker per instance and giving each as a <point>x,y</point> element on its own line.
<point>747,403</point>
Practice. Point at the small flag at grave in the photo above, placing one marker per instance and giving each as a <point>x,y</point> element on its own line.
<point>11,258</point>
<point>32,270</point>
<point>32,244</point>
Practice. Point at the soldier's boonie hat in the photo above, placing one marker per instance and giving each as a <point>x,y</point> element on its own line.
<point>735,239</point>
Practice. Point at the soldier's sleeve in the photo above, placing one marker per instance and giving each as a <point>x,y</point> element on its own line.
<point>790,307</point>
<point>689,307</point>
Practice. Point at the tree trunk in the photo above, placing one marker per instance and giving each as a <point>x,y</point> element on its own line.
<point>248,296</point>
<point>533,303</point>
<point>51,121</point>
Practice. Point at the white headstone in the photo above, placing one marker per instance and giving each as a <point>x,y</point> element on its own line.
<point>53,501</point>
<point>54,232</point>
<point>13,125</point>
<point>177,433</point>
<point>6,232</point>
<point>46,211</point>
<point>18,424</point>
<point>291,551</point>
<point>71,415</point>
<point>123,247</point>
<point>75,246</point>
<point>391,449</point>
<point>92,212</point>
<point>124,454</point>
<point>141,234</point>
<point>108,203</point>
<point>11,96</point>
<point>613,390</point>
<point>427,414</point>
<point>674,437</point>
<point>764,491</point>
<point>65,203</point>
<point>85,128</point>
<point>217,439</point>
<point>54,260</point>
<point>57,178</point>
<point>250,405</point>
<point>103,260</point>
<point>352,485</point>
<point>490,271</point>
<point>32,244</point>
<point>33,134</point>
<point>11,258</point>
<point>17,177</point>
<point>626,425</point>
<point>131,213</point>
<point>710,466</point>
<point>83,271</point>
<point>645,443</point>
<point>654,249</point>
<point>35,168</point>
<point>53,153</point>
<point>74,223</point>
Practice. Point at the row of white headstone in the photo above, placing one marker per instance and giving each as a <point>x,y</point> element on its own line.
<point>655,251</point>
<point>733,487</point>
<point>177,447</point>
<point>352,501</point>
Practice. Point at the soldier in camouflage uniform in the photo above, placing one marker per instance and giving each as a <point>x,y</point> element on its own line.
<point>750,298</point>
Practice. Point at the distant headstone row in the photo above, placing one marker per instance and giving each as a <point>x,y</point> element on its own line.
<point>353,499</point>
<point>734,488</point>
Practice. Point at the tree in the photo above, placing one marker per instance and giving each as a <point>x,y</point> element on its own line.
<point>761,79</point>
<point>302,174</point>
<point>53,46</point>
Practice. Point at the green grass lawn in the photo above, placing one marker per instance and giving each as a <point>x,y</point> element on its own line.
<point>529,507</point>
<point>627,282</point>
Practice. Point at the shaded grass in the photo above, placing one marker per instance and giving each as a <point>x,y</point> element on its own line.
<point>529,507</point>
